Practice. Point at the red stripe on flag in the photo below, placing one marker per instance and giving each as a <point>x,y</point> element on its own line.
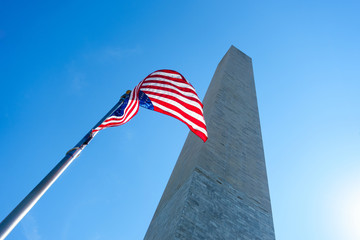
<point>185,104</point>
<point>193,98</point>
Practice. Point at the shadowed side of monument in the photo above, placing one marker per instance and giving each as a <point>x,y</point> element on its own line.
<point>219,190</point>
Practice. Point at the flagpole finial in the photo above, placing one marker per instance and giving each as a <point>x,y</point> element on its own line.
<point>126,94</point>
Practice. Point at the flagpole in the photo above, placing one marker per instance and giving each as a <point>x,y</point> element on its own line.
<point>7,225</point>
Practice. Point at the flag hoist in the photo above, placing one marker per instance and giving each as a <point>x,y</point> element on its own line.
<point>164,91</point>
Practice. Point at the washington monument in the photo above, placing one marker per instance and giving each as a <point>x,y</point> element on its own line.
<point>219,189</point>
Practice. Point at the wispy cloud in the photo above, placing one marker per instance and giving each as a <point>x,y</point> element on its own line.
<point>97,236</point>
<point>30,228</point>
<point>78,81</point>
<point>75,210</point>
<point>82,67</point>
<point>111,53</point>
<point>2,34</point>
<point>76,77</point>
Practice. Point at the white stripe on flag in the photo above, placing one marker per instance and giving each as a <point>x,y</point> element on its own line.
<point>148,92</point>
<point>181,117</point>
<point>181,107</point>
<point>179,84</point>
<point>173,75</point>
<point>154,85</point>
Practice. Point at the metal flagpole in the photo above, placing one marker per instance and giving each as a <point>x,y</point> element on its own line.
<point>30,200</point>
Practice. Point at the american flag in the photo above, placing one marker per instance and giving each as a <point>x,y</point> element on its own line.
<point>123,114</point>
<point>167,92</point>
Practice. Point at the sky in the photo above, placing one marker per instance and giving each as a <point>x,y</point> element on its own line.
<point>64,64</point>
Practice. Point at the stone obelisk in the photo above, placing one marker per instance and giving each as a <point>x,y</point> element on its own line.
<point>219,190</point>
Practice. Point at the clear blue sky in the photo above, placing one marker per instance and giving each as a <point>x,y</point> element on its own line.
<point>63,64</point>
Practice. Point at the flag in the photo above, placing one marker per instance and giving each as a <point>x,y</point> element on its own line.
<point>123,114</point>
<point>167,92</point>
